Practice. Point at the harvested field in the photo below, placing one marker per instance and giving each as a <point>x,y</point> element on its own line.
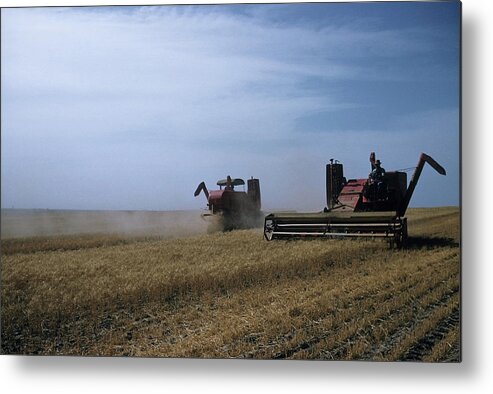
<point>234,295</point>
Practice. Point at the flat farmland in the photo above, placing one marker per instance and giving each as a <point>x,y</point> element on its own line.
<point>164,287</point>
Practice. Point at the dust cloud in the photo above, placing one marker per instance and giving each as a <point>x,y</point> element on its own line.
<point>172,224</point>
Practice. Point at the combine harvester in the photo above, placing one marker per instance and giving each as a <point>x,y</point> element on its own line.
<point>233,209</point>
<point>370,207</point>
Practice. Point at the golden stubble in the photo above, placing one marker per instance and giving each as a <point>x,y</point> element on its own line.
<point>236,295</point>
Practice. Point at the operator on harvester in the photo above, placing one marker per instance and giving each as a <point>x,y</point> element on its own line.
<point>376,180</point>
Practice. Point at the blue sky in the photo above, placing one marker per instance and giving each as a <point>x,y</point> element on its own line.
<point>131,107</point>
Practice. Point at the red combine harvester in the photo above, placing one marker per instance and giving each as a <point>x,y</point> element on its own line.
<point>234,209</point>
<point>369,207</point>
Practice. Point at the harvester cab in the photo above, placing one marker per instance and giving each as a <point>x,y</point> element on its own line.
<point>232,208</point>
<point>380,191</point>
<point>369,207</point>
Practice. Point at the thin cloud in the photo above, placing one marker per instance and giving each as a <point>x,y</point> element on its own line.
<point>122,98</point>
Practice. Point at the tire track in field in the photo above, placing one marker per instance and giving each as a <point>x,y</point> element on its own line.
<point>339,351</point>
<point>401,332</point>
<point>318,338</point>
<point>426,343</point>
<point>453,355</point>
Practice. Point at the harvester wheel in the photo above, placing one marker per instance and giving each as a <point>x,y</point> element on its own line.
<point>401,237</point>
<point>404,233</point>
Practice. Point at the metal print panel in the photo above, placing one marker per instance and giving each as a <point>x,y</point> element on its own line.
<point>264,181</point>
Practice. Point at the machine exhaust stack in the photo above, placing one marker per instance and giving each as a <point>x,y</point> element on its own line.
<point>334,182</point>
<point>254,192</point>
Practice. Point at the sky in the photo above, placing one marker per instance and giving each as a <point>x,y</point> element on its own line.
<point>130,108</point>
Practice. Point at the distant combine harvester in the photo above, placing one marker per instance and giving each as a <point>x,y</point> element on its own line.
<point>231,208</point>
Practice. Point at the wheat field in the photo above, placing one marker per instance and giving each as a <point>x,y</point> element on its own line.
<point>235,295</point>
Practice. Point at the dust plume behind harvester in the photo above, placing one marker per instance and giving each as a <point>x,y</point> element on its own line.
<point>370,207</point>
<point>231,209</point>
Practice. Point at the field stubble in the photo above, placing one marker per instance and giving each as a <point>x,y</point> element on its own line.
<point>236,295</point>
